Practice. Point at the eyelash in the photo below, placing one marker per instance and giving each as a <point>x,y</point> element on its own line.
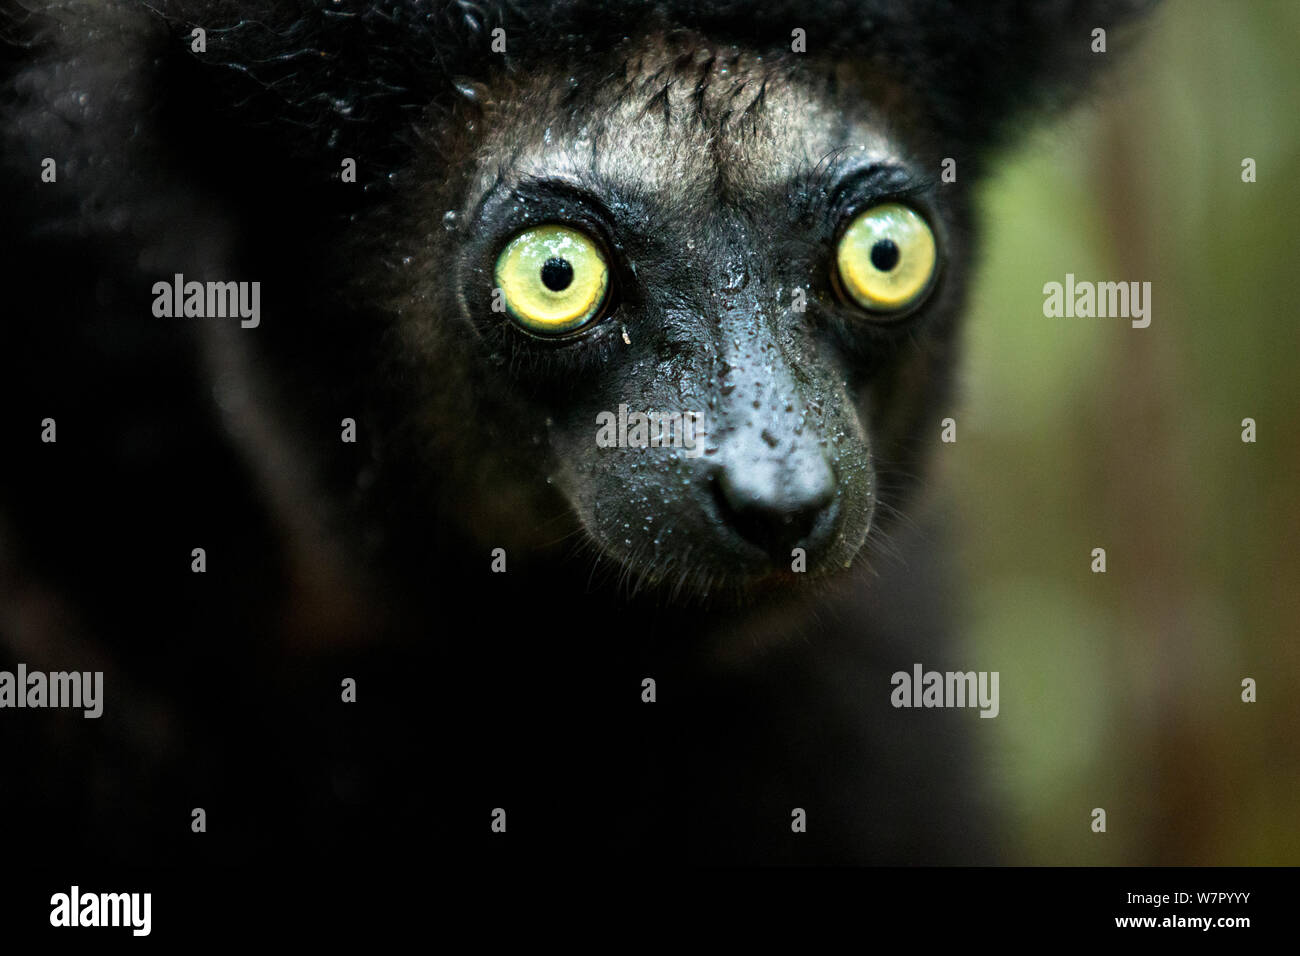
<point>564,358</point>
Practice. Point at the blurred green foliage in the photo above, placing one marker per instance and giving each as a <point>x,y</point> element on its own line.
<point>1123,690</point>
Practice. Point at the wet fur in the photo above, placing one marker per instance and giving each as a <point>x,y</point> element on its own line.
<point>327,560</point>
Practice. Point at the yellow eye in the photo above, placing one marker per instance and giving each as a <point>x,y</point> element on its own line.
<point>554,279</point>
<point>886,258</point>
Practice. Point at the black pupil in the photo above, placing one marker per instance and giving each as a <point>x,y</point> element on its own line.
<point>557,274</point>
<point>884,254</point>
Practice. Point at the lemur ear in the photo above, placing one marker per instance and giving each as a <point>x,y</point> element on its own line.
<point>1035,56</point>
<point>978,68</point>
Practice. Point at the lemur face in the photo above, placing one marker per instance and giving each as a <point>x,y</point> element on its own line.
<point>737,243</point>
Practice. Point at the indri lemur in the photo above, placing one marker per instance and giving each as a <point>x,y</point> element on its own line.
<point>731,209</point>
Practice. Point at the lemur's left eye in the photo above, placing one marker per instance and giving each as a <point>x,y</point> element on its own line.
<point>886,258</point>
<point>554,279</point>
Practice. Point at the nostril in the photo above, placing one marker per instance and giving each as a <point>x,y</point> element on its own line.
<point>776,533</point>
<point>775,518</point>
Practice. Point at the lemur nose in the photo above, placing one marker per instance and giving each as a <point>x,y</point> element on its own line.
<point>777,503</point>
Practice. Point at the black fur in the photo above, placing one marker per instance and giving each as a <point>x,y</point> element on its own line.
<point>328,560</point>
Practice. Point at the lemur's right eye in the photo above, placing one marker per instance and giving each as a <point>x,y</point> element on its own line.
<point>886,259</point>
<point>555,279</point>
